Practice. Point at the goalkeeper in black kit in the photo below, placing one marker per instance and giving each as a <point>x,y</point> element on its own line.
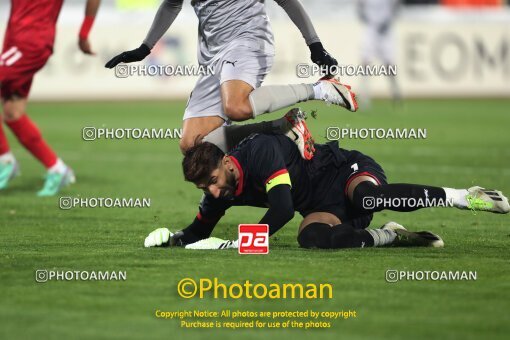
<point>336,192</point>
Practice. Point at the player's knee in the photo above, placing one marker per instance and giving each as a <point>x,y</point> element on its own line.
<point>362,194</point>
<point>12,115</point>
<point>345,237</point>
<point>323,236</point>
<point>186,143</point>
<point>12,111</point>
<point>238,110</point>
<point>314,235</point>
<point>306,238</point>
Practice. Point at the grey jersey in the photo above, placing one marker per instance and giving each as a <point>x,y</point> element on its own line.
<point>226,23</point>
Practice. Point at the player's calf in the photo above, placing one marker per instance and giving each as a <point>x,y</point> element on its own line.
<point>369,197</point>
<point>324,236</point>
<point>271,98</point>
<point>293,125</point>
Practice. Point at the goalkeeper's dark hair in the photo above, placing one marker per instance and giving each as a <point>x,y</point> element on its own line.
<point>200,161</point>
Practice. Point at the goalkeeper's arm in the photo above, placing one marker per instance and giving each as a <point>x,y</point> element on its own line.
<point>281,211</point>
<point>281,208</point>
<point>196,231</point>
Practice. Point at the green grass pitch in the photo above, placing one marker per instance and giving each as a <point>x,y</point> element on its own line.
<point>467,143</point>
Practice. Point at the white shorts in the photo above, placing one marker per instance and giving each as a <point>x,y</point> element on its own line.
<point>377,46</point>
<point>245,63</point>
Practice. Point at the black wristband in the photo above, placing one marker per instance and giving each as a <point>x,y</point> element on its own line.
<point>176,239</point>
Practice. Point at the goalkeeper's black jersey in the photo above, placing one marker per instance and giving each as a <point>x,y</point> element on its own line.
<point>265,160</point>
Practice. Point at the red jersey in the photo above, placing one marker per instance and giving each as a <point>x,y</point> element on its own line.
<point>32,23</point>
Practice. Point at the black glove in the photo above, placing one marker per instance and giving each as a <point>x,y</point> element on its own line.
<point>176,239</point>
<point>129,56</point>
<point>321,57</point>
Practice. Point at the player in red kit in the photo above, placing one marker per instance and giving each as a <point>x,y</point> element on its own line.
<point>28,44</point>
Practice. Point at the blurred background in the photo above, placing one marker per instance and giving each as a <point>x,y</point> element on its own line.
<point>442,48</point>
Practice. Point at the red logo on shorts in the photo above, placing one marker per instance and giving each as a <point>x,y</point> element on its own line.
<point>253,239</point>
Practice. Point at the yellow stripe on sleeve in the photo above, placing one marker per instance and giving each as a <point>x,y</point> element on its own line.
<point>277,180</point>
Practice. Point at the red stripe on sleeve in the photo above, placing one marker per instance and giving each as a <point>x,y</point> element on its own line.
<point>276,174</point>
<point>365,173</point>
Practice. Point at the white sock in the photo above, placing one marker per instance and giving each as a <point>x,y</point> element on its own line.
<point>59,167</point>
<point>7,157</point>
<point>317,90</point>
<point>458,196</point>
<point>382,237</point>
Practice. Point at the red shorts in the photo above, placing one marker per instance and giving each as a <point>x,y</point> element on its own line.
<point>18,66</point>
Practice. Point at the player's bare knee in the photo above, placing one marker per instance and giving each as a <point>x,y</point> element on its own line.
<point>13,109</point>
<point>187,142</point>
<point>12,115</point>
<point>319,217</point>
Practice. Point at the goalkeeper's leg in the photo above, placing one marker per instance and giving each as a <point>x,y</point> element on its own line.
<point>212,129</point>
<point>368,196</point>
<point>293,125</point>
<point>317,233</point>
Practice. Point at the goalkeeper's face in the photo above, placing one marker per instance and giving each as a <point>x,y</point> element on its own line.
<point>221,183</point>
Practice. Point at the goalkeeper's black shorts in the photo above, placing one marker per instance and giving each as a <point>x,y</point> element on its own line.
<point>334,198</point>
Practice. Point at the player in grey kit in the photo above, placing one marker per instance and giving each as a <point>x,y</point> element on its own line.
<point>235,37</point>
<point>378,18</point>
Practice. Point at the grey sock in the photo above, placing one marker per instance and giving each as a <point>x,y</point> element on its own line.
<point>274,97</point>
<point>218,138</point>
